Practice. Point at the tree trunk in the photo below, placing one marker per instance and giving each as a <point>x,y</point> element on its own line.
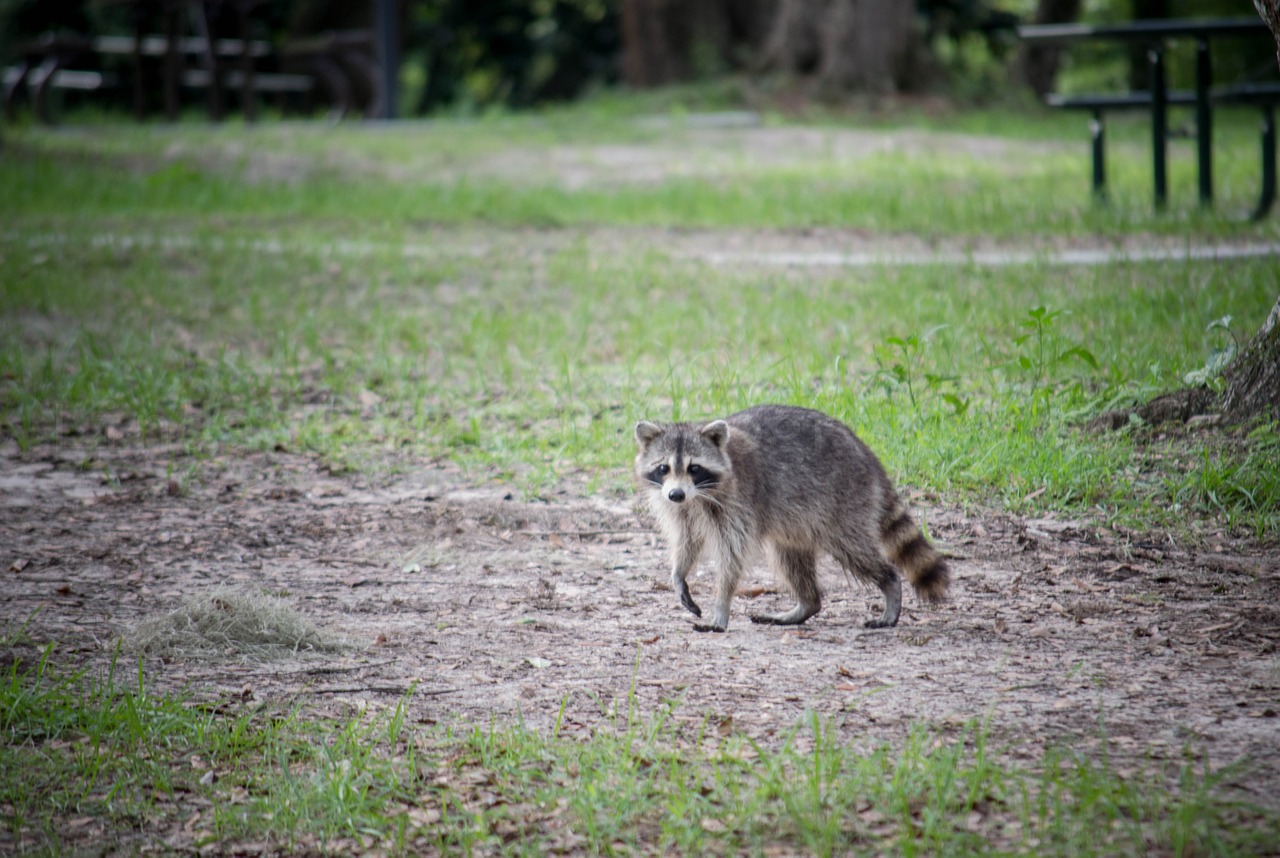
<point>794,42</point>
<point>852,45</point>
<point>1253,378</point>
<point>749,22</point>
<point>647,58</point>
<point>1037,64</point>
<point>666,41</point>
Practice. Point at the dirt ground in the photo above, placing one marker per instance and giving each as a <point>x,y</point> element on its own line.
<point>498,608</point>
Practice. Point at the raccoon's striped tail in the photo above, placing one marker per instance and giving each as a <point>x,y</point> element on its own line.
<point>906,546</point>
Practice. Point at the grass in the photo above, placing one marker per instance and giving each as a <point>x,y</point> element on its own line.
<point>117,755</point>
<point>1029,177</point>
<point>529,373</point>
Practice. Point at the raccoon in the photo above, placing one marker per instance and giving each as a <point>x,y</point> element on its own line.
<point>793,482</point>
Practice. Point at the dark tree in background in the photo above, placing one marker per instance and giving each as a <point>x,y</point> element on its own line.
<point>1037,65</point>
<point>668,41</point>
<point>873,46</point>
<point>843,46</point>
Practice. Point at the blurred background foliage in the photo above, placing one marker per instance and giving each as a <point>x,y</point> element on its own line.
<point>465,56</point>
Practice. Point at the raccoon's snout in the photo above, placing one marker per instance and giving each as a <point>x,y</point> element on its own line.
<point>676,495</point>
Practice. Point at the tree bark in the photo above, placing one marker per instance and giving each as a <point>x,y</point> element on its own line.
<point>1253,378</point>
<point>1037,65</point>
<point>851,45</point>
<point>666,41</point>
<point>647,58</point>
<point>794,42</point>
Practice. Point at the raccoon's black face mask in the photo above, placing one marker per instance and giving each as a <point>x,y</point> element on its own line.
<point>680,461</point>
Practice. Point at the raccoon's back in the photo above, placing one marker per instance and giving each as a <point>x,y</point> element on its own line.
<point>799,464</point>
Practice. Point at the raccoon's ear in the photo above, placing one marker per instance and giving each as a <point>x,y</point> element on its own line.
<point>717,433</point>
<point>646,432</point>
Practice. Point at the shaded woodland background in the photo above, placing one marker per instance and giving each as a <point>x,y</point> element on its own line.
<point>466,55</point>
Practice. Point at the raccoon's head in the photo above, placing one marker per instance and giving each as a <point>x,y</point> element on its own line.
<point>678,462</point>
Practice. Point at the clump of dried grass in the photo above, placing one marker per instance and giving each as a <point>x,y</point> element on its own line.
<point>232,624</point>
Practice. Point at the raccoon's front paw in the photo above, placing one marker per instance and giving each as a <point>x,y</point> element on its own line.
<point>707,627</point>
<point>690,605</point>
<point>879,624</point>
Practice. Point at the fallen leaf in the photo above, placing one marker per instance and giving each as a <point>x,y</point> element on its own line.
<point>652,640</point>
<point>355,581</point>
<point>19,564</point>
<point>535,661</point>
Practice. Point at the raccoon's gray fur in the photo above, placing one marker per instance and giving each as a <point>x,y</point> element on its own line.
<point>794,482</point>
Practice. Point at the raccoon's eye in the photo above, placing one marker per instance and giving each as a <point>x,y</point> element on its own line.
<point>694,470</point>
<point>663,469</point>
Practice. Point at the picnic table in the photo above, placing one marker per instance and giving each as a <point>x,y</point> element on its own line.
<point>1156,34</point>
<point>341,62</point>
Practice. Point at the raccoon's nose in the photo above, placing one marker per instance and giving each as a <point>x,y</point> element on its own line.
<point>676,495</point>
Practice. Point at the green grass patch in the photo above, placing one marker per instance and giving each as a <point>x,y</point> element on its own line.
<point>970,382</point>
<point>82,753</point>
<point>603,166</point>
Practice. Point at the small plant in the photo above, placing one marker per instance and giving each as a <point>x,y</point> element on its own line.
<point>1042,351</point>
<point>1224,350</point>
<point>899,361</point>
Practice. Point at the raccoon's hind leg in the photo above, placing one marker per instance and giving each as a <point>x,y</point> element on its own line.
<point>886,578</point>
<point>882,573</point>
<point>799,568</point>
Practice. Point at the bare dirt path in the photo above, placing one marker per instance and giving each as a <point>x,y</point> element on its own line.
<point>499,608</point>
<point>812,248</point>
